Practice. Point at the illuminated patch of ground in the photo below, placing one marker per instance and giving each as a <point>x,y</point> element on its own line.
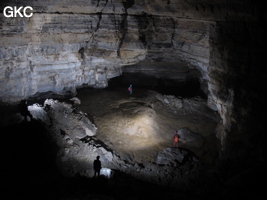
<point>139,126</point>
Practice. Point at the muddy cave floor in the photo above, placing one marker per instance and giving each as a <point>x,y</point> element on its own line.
<point>29,171</point>
<point>138,126</point>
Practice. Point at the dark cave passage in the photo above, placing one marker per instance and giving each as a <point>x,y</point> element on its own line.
<point>188,89</point>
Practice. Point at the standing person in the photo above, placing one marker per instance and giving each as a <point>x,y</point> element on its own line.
<point>97,166</point>
<point>176,139</point>
<point>24,110</point>
<point>130,89</point>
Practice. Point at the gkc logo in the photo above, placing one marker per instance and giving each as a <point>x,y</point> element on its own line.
<point>14,12</point>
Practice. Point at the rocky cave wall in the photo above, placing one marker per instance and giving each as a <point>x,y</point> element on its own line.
<point>67,44</point>
<point>70,43</point>
<point>238,81</point>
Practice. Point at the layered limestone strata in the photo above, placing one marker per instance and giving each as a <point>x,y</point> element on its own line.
<point>59,52</point>
<point>69,43</point>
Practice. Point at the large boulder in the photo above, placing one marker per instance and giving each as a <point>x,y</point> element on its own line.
<point>191,139</point>
<point>73,134</point>
<point>175,157</point>
<point>65,118</point>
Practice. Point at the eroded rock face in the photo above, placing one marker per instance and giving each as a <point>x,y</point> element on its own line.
<point>69,122</point>
<point>175,157</point>
<point>72,132</point>
<point>66,45</point>
<point>190,138</point>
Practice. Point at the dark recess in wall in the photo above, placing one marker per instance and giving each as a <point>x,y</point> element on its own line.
<point>189,88</point>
